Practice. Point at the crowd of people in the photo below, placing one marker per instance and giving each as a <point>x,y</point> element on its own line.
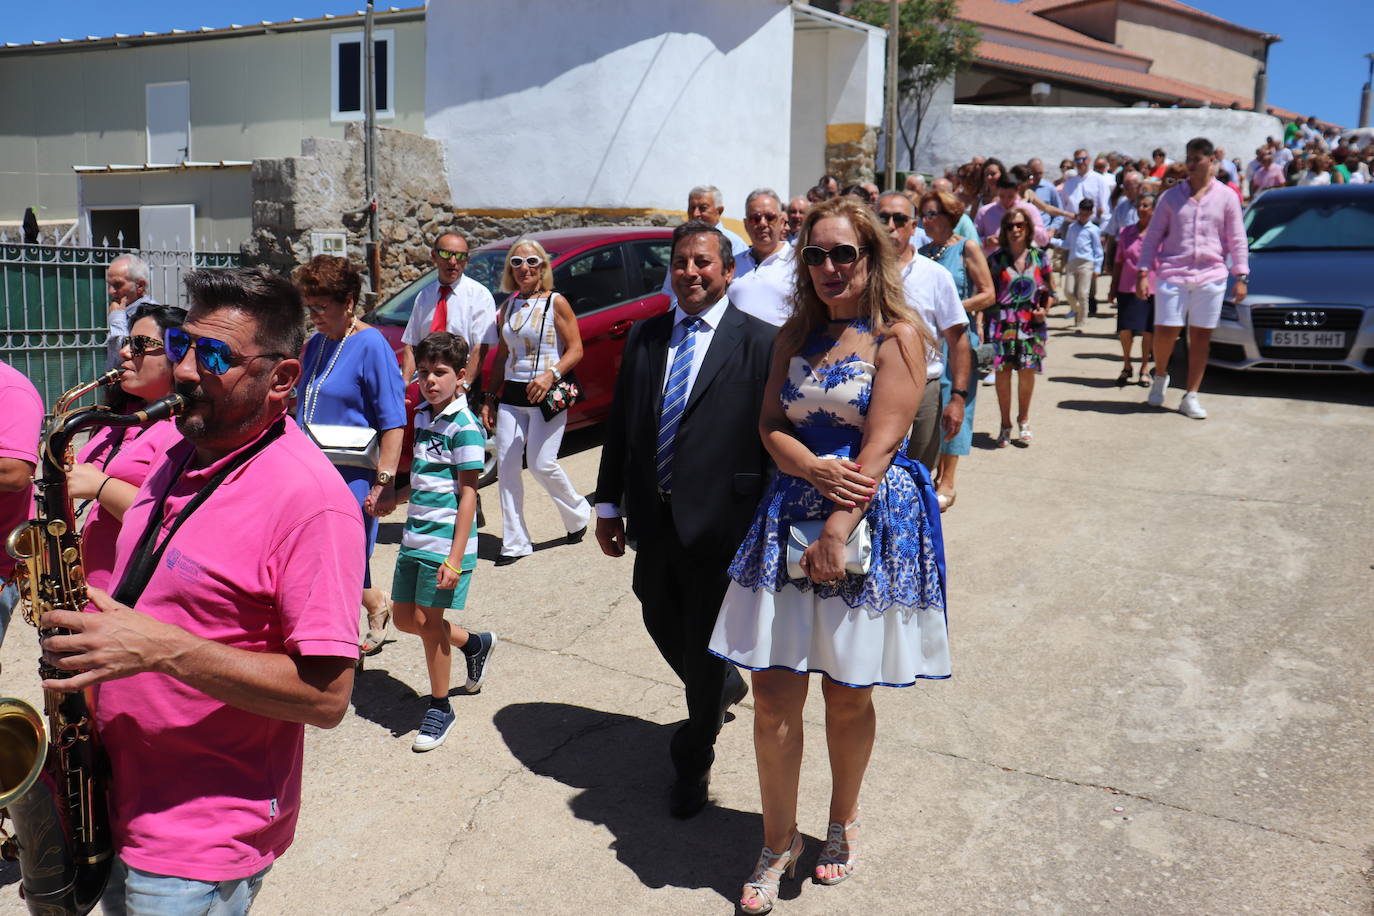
<point>782,443</point>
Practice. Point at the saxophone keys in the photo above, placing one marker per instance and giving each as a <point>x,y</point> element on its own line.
<point>71,555</point>
<point>57,527</point>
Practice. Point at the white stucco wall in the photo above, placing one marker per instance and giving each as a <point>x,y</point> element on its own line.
<point>837,79</point>
<point>1016,133</point>
<point>609,103</point>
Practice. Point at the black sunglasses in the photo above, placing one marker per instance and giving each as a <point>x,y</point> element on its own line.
<point>897,219</point>
<point>212,356</point>
<point>814,255</point>
<point>140,344</point>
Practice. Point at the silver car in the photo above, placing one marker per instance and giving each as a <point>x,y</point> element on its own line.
<point>1310,306</point>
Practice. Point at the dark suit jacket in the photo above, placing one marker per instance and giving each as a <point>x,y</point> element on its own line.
<point>719,463</point>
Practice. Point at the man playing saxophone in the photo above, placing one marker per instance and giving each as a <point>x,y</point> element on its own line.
<point>234,618</point>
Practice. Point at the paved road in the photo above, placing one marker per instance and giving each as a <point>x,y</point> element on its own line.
<point>1161,700</point>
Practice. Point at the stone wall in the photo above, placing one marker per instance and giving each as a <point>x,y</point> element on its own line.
<point>321,190</point>
<point>854,160</point>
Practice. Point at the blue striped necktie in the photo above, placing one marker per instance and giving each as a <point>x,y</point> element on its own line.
<point>674,400</point>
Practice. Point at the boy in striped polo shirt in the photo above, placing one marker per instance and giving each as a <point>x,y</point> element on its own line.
<point>439,548</point>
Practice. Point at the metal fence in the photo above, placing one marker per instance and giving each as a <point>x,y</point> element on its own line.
<point>53,324</point>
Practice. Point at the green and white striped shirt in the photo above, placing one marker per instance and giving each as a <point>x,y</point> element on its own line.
<point>444,446</point>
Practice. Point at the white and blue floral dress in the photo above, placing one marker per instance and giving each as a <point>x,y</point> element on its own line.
<point>886,628</point>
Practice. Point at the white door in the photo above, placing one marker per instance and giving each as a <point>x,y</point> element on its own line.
<point>169,122</point>
<point>169,227</point>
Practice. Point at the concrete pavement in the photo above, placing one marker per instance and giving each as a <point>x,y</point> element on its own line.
<point>1160,702</point>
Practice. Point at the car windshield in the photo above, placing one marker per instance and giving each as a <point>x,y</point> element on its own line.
<point>396,310</point>
<point>485,267</point>
<point>1283,222</point>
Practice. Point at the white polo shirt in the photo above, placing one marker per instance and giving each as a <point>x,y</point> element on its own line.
<point>764,288</point>
<point>471,313</point>
<point>930,290</point>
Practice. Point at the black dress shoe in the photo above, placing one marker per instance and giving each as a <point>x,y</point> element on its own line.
<point>734,696</point>
<point>503,560</point>
<point>688,797</point>
<point>576,536</point>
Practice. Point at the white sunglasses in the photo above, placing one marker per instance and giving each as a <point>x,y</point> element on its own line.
<point>533,260</point>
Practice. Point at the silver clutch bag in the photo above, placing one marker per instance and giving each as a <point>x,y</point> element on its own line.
<point>858,550</point>
<point>350,446</point>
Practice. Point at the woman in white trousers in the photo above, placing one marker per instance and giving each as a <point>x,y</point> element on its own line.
<point>540,344</point>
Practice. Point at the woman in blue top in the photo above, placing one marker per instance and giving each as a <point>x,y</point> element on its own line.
<point>350,377</point>
<point>940,213</point>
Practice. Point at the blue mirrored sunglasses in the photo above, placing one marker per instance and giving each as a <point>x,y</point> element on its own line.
<point>212,356</point>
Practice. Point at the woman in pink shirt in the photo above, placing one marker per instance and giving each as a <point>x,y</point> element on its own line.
<point>115,462</point>
<point>1134,315</point>
<point>1197,228</point>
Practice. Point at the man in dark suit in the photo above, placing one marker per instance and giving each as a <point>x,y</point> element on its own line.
<point>684,465</point>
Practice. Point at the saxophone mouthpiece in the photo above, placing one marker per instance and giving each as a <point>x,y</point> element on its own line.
<point>109,378</point>
<point>170,406</point>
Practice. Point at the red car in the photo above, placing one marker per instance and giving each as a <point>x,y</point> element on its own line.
<point>612,277</point>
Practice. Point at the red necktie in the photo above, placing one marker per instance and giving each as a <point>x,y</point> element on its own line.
<point>440,322</point>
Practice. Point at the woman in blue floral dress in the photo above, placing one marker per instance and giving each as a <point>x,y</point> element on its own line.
<point>847,377</point>
<point>1024,289</point>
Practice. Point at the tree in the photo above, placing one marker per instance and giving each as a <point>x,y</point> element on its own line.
<point>933,44</point>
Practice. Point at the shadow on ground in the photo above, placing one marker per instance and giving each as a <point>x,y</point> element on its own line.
<point>394,705</point>
<point>621,765</point>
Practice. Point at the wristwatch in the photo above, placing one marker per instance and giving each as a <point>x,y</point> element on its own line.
<point>962,392</point>
<point>384,479</point>
<point>1243,278</point>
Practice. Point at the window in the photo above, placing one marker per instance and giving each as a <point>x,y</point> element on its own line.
<point>594,280</point>
<point>334,244</point>
<point>346,63</point>
<point>652,259</point>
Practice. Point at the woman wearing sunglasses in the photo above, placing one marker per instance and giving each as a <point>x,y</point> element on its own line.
<point>847,377</point>
<point>349,378</point>
<point>940,212</point>
<point>540,344</point>
<point>1023,294</point>
<point>114,463</point>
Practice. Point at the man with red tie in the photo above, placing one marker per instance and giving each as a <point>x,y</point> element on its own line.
<point>453,303</point>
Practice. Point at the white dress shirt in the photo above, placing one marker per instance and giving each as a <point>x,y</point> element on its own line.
<point>1095,187</point>
<point>702,336</point>
<point>930,290</point>
<point>471,313</point>
<point>765,288</point>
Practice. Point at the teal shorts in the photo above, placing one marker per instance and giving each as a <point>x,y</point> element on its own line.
<point>416,582</point>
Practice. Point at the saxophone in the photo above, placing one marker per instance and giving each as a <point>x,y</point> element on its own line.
<point>53,786</point>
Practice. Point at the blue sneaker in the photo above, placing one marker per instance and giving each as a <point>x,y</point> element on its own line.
<point>434,728</point>
<point>477,664</point>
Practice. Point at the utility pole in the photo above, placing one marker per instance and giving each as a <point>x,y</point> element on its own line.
<point>890,140</point>
<point>374,254</point>
<point>1366,92</point>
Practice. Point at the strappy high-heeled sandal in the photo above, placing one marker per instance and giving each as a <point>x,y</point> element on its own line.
<point>838,851</point>
<point>768,876</point>
<point>376,632</point>
<point>1004,437</point>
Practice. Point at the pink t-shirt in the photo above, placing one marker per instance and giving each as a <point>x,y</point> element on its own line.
<point>1128,256</point>
<point>21,423</point>
<point>1189,240</point>
<point>271,562</point>
<point>138,448</point>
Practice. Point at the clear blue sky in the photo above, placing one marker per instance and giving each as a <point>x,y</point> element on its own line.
<point>1317,69</point>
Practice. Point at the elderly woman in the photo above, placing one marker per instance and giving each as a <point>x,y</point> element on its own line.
<point>350,379</point>
<point>540,345</point>
<point>1134,315</point>
<point>940,212</point>
<point>1023,294</point>
<point>112,466</point>
<point>847,376</point>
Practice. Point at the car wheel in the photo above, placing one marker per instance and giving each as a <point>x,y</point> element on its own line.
<point>488,463</point>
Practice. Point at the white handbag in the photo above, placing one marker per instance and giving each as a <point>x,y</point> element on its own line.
<point>350,446</point>
<point>858,550</point>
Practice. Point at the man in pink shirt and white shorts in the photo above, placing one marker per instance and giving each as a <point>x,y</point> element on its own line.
<point>234,622</point>
<point>1196,228</point>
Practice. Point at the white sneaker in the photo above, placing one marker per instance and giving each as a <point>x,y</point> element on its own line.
<point>1190,407</point>
<point>1157,389</point>
<point>989,379</point>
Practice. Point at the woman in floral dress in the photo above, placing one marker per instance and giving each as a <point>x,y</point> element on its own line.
<point>1024,289</point>
<point>847,377</point>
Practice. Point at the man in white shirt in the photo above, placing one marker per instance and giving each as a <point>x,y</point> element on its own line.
<point>1093,185</point>
<point>930,290</point>
<point>705,203</point>
<point>454,303</point>
<point>765,273</point>
<point>126,281</point>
